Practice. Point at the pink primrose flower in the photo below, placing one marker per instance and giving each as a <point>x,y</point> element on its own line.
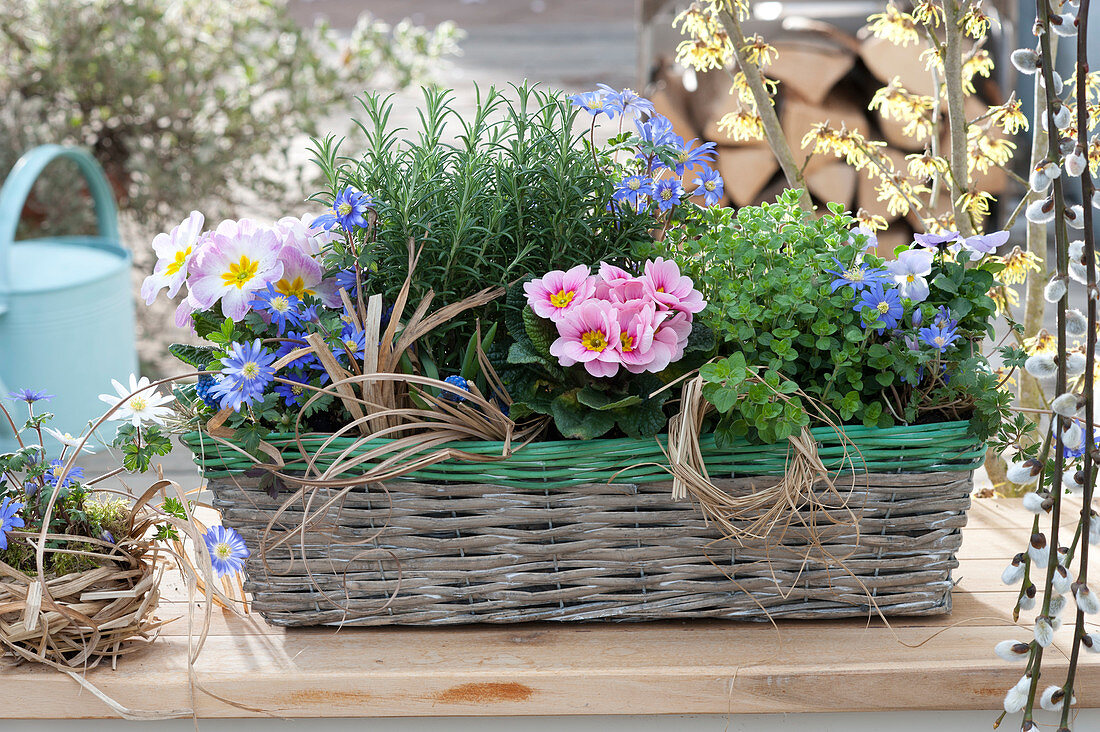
<point>557,294</point>
<point>590,334</point>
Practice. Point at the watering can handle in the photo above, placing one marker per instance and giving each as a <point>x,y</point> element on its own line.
<point>13,196</point>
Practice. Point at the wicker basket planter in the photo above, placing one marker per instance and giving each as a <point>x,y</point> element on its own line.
<point>544,536</point>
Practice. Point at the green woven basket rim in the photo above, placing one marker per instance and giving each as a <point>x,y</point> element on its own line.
<point>943,446</point>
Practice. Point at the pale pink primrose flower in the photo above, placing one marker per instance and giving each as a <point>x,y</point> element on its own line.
<point>302,234</point>
<point>638,323</point>
<point>302,275</point>
<point>590,334</point>
<point>232,267</point>
<point>557,293</point>
<point>174,251</point>
<point>671,290</point>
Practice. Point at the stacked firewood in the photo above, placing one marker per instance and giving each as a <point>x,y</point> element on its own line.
<point>822,77</point>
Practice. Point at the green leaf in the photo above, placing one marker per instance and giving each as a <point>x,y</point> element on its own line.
<point>589,396</point>
<point>197,356</point>
<point>575,421</point>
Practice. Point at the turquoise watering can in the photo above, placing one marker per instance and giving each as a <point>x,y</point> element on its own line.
<point>66,309</point>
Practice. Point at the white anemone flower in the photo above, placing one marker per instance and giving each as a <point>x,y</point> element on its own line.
<point>137,408</point>
<point>68,440</point>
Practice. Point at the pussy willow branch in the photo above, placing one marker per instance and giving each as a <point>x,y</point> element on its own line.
<point>1090,350</point>
<point>777,140</point>
<point>1031,392</point>
<point>956,113</point>
<point>1062,262</point>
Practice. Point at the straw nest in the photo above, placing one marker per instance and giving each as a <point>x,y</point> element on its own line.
<point>78,620</point>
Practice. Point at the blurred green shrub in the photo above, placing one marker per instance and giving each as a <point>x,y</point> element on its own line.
<point>190,101</point>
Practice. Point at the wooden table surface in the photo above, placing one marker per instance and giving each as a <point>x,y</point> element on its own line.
<point>944,662</point>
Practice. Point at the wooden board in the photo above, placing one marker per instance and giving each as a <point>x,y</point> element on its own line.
<point>886,60</point>
<point>597,668</point>
<point>833,182</point>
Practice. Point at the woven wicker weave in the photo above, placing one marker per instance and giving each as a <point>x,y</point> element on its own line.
<point>432,554</point>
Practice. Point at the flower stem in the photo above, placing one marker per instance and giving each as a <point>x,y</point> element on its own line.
<point>777,140</point>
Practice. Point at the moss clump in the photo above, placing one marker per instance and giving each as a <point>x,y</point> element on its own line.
<point>111,515</point>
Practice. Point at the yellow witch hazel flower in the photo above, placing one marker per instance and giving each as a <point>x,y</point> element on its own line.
<point>976,203</point>
<point>742,126</point>
<point>923,166</point>
<point>1009,117</point>
<point>979,64</point>
<point>1004,299</point>
<point>759,51</point>
<point>929,13</point>
<point>1041,343</point>
<point>710,46</point>
<point>1017,265</point>
<point>871,221</point>
<point>895,26</point>
<point>896,102</point>
<point>976,23</point>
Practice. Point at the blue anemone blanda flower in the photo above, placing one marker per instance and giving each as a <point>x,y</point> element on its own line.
<point>30,396</point>
<point>690,158</point>
<point>940,337</point>
<point>281,309</point>
<point>349,210</point>
<point>668,193</point>
<point>859,276</point>
<point>294,394</point>
<point>634,190</point>
<point>227,550</point>
<point>9,519</point>
<point>54,473</point>
<point>711,187</point>
<point>886,305</point>
<point>657,130</point>
<point>246,374</point>
<point>626,102</point>
<point>595,103</point>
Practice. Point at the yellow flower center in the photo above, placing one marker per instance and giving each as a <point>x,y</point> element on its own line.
<point>666,194</point>
<point>884,307</point>
<point>855,274</point>
<point>241,272</point>
<point>138,404</point>
<point>250,370</point>
<point>661,288</point>
<point>627,342</point>
<point>633,184</point>
<point>344,209</point>
<point>280,304</point>
<point>939,340</point>
<point>562,298</point>
<point>710,185</point>
<point>594,340</point>
<point>296,287</point>
<point>178,262</point>
<point>222,550</point>
<point>911,278</point>
<point>351,345</point>
<point>296,390</point>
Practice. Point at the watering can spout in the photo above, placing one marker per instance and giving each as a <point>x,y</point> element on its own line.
<point>66,309</point>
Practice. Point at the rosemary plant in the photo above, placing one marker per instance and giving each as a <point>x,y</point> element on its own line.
<point>491,196</point>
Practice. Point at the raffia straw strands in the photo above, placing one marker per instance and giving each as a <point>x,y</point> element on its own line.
<point>792,496</point>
